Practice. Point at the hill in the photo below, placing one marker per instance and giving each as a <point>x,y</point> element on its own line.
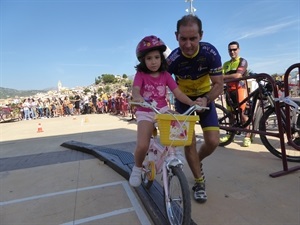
<point>11,93</point>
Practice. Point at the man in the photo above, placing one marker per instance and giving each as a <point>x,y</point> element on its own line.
<point>232,69</point>
<point>94,101</point>
<point>197,68</point>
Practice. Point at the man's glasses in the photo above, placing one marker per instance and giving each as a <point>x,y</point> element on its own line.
<point>232,50</point>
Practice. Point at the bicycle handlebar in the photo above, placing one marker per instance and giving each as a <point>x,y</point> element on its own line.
<point>187,112</point>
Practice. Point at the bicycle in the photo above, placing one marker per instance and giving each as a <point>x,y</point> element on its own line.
<point>262,118</point>
<point>164,158</point>
<point>9,113</point>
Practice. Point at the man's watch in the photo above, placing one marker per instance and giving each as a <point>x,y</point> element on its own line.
<point>207,98</point>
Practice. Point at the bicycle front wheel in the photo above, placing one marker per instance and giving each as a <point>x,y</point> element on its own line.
<point>225,119</point>
<point>178,202</point>
<point>268,123</point>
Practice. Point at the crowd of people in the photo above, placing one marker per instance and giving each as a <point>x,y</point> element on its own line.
<point>51,107</point>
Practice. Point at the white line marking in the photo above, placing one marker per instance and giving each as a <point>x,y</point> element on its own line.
<point>58,193</point>
<point>92,218</point>
<point>137,207</point>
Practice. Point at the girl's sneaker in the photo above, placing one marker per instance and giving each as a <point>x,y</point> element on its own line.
<point>135,179</point>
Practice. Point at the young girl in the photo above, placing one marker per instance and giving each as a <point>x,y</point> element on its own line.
<point>150,84</point>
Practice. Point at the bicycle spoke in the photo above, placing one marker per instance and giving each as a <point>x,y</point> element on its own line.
<point>178,205</point>
<point>269,123</point>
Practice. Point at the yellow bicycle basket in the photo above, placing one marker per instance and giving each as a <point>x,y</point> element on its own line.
<point>176,130</point>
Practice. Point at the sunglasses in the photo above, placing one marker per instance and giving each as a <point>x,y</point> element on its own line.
<point>232,50</point>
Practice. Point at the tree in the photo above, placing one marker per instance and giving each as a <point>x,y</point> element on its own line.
<point>108,78</point>
<point>98,80</point>
<point>100,89</point>
<point>107,89</point>
<point>86,90</point>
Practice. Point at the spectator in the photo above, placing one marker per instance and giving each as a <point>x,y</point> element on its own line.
<point>77,104</point>
<point>236,67</point>
<point>94,101</point>
<point>32,108</point>
<point>26,106</point>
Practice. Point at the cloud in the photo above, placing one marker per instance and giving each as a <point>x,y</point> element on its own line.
<point>263,31</point>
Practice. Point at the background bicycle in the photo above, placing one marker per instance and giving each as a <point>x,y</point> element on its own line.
<point>8,113</point>
<point>262,119</point>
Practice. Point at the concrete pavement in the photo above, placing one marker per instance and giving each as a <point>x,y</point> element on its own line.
<point>42,182</point>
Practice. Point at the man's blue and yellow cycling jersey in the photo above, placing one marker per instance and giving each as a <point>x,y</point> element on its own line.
<point>193,74</point>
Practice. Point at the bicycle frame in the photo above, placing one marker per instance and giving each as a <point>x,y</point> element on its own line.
<point>255,110</point>
<point>164,158</point>
<point>261,99</point>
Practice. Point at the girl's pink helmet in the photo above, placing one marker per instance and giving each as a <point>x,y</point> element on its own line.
<point>149,43</point>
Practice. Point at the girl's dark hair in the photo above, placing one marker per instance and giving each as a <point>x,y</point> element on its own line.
<point>141,67</point>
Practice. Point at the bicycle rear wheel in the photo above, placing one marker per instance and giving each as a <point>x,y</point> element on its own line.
<point>225,119</point>
<point>268,123</point>
<point>178,203</point>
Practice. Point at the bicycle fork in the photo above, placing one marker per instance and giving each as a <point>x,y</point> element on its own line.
<point>170,161</point>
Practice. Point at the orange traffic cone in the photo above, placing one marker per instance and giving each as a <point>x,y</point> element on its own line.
<point>86,120</point>
<point>40,129</point>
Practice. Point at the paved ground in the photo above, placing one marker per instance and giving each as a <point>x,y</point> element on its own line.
<point>44,183</point>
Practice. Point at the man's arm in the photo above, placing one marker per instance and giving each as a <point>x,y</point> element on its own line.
<point>232,76</point>
<point>240,71</point>
<point>216,90</point>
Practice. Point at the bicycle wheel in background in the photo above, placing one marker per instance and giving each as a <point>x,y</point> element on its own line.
<point>268,123</point>
<point>7,116</point>
<point>225,119</point>
<point>178,203</point>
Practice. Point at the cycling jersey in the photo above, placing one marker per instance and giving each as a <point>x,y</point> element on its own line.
<point>238,65</point>
<point>193,74</point>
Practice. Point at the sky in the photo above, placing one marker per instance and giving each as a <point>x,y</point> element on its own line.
<point>75,41</point>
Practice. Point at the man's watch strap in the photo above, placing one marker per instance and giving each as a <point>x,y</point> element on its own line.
<point>207,98</point>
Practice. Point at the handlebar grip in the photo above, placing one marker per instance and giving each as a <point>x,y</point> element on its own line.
<point>202,108</point>
<point>144,104</point>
